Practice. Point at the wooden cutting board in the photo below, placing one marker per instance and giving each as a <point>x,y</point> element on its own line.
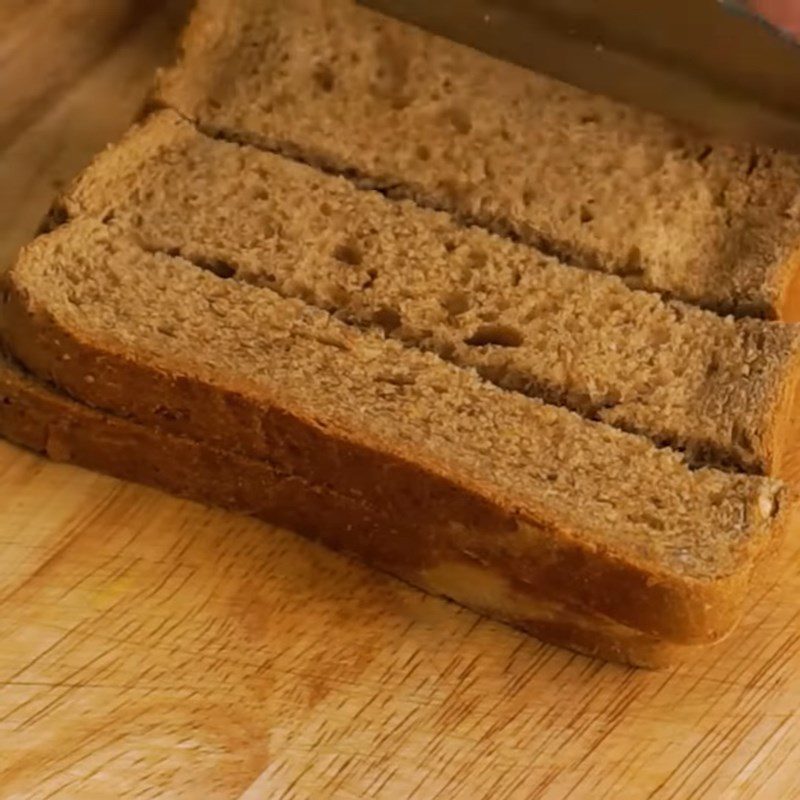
<point>150,647</point>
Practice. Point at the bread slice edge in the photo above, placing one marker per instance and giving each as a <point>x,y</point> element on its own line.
<point>39,418</point>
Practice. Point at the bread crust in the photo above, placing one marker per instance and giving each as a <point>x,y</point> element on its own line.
<point>41,419</point>
<point>787,288</point>
<point>550,563</point>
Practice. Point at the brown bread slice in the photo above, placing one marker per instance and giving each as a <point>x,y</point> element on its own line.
<point>565,510</point>
<point>601,184</point>
<point>40,418</point>
<point>722,389</point>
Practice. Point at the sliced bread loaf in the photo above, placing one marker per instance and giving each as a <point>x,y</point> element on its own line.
<point>599,183</point>
<point>719,388</point>
<point>38,417</point>
<point>568,511</point>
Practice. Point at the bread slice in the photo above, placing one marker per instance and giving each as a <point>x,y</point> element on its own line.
<point>567,511</point>
<point>599,183</point>
<point>722,390</point>
<point>39,418</point>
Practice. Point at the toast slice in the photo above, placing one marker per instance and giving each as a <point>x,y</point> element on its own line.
<point>722,390</point>
<point>558,509</point>
<point>36,416</point>
<point>598,183</point>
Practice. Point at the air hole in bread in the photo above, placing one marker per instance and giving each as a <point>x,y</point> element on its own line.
<point>397,378</point>
<point>56,217</point>
<point>445,350</point>
<point>423,152</point>
<point>531,314</point>
<point>636,282</point>
<point>167,328</point>
<point>349,253</point>
<point>496,334</point>
<point>586,215</point>
<point>216,266</point>
<point>372,276</point>
<point>648,520</point>
<point>752,164</point>
<point>704,153</point>
<point>460,119</point>
<point>455,303</point>
<point>338,299</point>
<point>389,319</point>
<point>401,101</point>
<point>497,373</point>
<point>477,259</point>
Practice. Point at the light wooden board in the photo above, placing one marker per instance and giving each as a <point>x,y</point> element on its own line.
<point>150,647</point>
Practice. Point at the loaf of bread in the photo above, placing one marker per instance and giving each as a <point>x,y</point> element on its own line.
<point>477,339</point>
<point>559,510</point>
<point>598,183</point>
<point>722,390</point>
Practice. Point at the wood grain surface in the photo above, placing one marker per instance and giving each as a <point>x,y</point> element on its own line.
<point>153,648</point>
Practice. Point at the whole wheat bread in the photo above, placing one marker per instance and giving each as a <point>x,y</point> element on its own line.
<point>38,417</point>
<point>601,184</point>
<point>566,510</point>
<point>723,390</point>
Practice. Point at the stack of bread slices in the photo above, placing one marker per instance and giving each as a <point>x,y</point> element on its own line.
<point>517,344</point>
